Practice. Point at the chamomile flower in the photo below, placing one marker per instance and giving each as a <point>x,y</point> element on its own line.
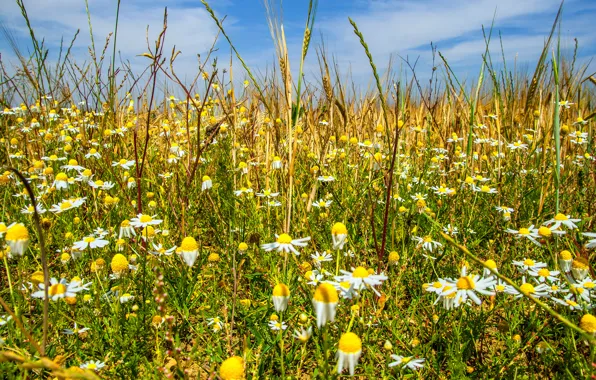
<point>206,183</point>
<point>322,203</point>
<point>216,323</point>
<point>322,257</point>
<point>544,274</point>
<point>348,353</point>
<point>143,220</point>
<point>339,235</point>
<point>277,325</point>
<point>529,265</point>
<point>562,219</point>
<point>528,289</point>
<point>59,289</point>
<point>285,243</point>
<point>123,163</point>
<point>325,302</point>
<point>406,362</point>
<point>75,330</point>
<point>90,242</point>
<point>67,204</point>
<point>529,233</point>
<point>17,238</point>
<point>361,278</point>
<point>591,243</point>
<point>281,296</point>
<point>189,250</point>
<point>93,365</point>
<point>427,243</point>
<point>303,335</point>
<point>467,286</point>
<point>30,209</point>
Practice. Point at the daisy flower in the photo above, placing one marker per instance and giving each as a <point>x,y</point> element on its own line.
<point>325,302</point>
<point>529,233</point>
<point>339,235</point>
<point>281,296</point>
<point>61,181</point>
<point>267,194</point>
<point>189,250</point>
<point>277,325</point>
<point>321,203</point>
<point>30,209</point>
<point>541,290</point>
<point>544,274</point>
<point>467,285</point>
<point>348,353</point>
<point>143,220</point>
<point>426,242</point>
<point>326,178</point>
<point>94,365</point>
<point>67,204</point>
<point>285,243</point>
<point>407,361</point>
<point>591,243</point>
<point>561,219</point>
<point>319,258</point>
<point>216,322</point>
<point>75,330</point>
<point>360,278</point>
<point>123,163</point>
<point>59,289</point>
<point>529,265</point>
<point>303,335</point>
<point>17,238</point>
<point>91,242</point>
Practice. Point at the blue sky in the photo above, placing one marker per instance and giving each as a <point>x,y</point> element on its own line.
<point>391,28</point>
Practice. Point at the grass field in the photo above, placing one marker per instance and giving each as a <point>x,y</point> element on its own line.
<point>240,227</point>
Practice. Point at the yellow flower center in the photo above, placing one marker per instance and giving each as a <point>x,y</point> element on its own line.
<point>17,232</point>
<point>427,239</point>
<point>125,223</point>
<point>119,263</point>
<point>566,255</point>
<point>232,369</point>
<point>89,239</point>
<point>281,290</point>
<point>466,283</point>
<point>93,151</point>
<point>560,217</point>
<point>588,323</point>
<point>92,366</point>
<point>527,288</point>
<point>339,229</point>
<point>56,290</point>
<point>580,263</point>
<point>544,231</point>
<point>326,293</point>
<point>485,189</point>
<point>360,272</point>
<point>437,285</point>
<point>65,205</point>
<point>523,231</point>
<point>543,272</point>
<point>189,244</point>
<point>122,161</point>
<point>145,218</point>
<point>99,182</point>
<point>350,343</point>
<point>490,264</point>
<point>529,262</point>
<point>284,239</point>
<point>406,360</point>
<point>589,285</point>
<point>61,177</point>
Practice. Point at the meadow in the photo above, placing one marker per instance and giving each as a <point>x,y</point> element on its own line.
<point>276,226</point>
